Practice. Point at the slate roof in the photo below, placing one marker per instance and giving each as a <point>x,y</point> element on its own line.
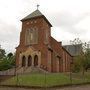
<point>35,14</point>
<point>74,50</point>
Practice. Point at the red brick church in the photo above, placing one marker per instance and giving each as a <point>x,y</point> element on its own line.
<point>38,49</point>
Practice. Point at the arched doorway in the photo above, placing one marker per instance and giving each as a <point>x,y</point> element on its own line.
<point>23,61</point>
<point>29,60</point>
<point>35,60</point>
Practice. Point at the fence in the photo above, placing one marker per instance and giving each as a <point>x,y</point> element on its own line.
<point>8,72</point>
<point>40,78</point>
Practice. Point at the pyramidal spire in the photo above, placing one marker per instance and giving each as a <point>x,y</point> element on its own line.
<point>36,13</point>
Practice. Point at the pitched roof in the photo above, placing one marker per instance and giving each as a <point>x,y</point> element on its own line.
<point>74,50</point>
<point>57,47</point>
<point>35,14</point>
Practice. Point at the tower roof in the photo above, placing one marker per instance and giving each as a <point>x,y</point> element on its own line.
<point>36,14</point>
<point>33,14</point>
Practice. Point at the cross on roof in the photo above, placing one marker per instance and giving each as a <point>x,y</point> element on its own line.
<point>38,6</point>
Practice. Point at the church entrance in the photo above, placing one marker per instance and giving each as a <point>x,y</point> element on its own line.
<point>23,61</point>
<point>29,61</point>
<point>35,60</point>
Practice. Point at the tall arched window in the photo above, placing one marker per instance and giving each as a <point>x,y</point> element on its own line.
<point>31,36</point>
<point>23,61</point>
<point>35,60</point>
<point>29,60</point>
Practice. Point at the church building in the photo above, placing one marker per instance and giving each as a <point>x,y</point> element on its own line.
<point>38,49</point>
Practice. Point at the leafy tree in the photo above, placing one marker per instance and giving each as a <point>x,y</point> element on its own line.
<point>82,61</point>
<point>10,55</point>
<point>76,64</point>
<point>7,62</point>
<point>2,53</point>
<point>87,57</point>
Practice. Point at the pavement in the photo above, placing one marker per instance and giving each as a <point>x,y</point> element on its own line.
<point>83,87</point>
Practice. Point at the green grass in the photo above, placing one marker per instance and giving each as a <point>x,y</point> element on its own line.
<point>39,80</point>
<point>48,80</point>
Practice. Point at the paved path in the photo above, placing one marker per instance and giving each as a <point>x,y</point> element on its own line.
<point>85,87</point>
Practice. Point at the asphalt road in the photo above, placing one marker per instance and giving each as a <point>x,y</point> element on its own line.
<point>84,87</point>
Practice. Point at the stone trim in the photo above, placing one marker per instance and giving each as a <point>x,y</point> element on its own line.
<point>31,53</point>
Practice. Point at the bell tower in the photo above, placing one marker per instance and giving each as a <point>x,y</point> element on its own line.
<point>35,29</point>
<point>35,35</point>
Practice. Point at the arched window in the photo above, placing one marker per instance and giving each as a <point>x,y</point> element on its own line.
<point>29,60</point>
<point>23,61</point>
<point>35,60</point>
<point>31,36</point>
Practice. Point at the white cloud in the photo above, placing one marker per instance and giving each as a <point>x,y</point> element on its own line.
<point>70,18</point>
<point>84,24</point>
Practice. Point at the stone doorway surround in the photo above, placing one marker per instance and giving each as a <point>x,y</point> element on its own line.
<point>30,52</point>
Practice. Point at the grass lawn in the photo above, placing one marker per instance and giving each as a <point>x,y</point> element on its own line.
<point>43,80</point>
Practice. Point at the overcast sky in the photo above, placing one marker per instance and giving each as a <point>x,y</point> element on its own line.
<point>70,19</point>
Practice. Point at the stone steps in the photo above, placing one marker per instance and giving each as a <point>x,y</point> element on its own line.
<point>23,70</point>
<point>30,70</point>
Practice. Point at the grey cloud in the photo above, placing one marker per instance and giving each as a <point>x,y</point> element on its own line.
<point>9,36</point>
<point>68,21</point>
<point>73,30</point>
<point>61,19</point>
<point>8,32</point>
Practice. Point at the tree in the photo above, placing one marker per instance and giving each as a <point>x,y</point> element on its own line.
<point>2,53</point>
<point>82,61</point>
<point>11,58</point>
<point>10,55</point>
<point>87,56</point>
<point>7,62</point>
